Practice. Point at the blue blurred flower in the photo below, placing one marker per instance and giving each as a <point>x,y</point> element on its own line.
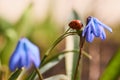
<point>25,54</point>
<point>94,28</point>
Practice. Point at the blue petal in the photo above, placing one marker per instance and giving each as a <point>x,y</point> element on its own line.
<point>83,32</point>
<point>89,24</point>
<point>24,56</point>
<point>15,57</point>
<point>85,29</point>
<point>19,65</point>
<point>35,57</point>
<point>95,28</point>
<point>89,35</point>
<point>33,52</point>
<point>103,25</point>
<point>103,35</point>
<point>91,38</point>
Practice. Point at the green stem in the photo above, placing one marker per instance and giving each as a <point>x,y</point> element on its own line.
<point>39,75</point>
<point>82,40</point>
<point>77,66</point>
<point>56,42</point>
<point>86,55</point>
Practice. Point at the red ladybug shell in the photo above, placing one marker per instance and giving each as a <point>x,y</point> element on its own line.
<point>76,24</point>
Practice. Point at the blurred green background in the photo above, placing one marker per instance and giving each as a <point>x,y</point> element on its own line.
<point>43,21</point>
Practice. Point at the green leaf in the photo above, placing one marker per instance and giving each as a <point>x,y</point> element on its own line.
<point>57,57</point>
<point>112,71</point>
<point>71,59</point>
<point>51,62</point>
<point>15,75</point>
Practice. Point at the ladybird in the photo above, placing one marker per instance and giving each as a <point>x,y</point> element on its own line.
<point>76,24</point>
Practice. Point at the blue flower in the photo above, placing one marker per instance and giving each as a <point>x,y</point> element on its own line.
<point>94,28</point>
<point>25,54</point>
